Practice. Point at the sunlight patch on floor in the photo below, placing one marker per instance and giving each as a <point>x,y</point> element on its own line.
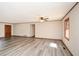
<point>54,45</point>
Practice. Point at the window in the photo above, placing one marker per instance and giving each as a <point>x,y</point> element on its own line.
<point>66,28</point>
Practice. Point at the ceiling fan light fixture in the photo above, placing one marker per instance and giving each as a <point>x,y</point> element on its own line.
<point>42,20</point>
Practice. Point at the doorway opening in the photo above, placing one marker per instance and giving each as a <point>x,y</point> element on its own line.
<point>33,30</point>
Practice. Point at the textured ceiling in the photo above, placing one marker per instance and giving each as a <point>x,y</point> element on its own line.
<point>31,11</point>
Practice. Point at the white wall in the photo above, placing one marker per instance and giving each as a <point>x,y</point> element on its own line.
<point>52,30</point>
<point>2,32</point>
<point>22,30</point>
<point>73,43</point>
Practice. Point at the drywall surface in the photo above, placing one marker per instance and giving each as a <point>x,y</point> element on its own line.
<point>1,30</point>
<point>52,30</point>
<point>73,42</point>
<point>22,30</point>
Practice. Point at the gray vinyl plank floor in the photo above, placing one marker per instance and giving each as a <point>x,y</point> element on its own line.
<point>21,46</point>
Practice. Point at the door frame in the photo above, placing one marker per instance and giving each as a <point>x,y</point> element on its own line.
<point>33,28</point>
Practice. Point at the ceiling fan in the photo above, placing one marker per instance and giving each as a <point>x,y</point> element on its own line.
<point>43,19</point>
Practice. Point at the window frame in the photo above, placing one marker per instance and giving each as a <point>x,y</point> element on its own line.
<point>65,27</point>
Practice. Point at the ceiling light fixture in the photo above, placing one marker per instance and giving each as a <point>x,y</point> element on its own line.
<point>42,19</point>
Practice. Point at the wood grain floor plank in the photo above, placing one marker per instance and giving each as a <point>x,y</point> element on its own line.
<point>21,46</point>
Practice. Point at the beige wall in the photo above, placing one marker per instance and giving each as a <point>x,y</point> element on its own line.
<point>22,30</point>
<point>73,42</point>
<point>52,30</point>
<point>1,30</point>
